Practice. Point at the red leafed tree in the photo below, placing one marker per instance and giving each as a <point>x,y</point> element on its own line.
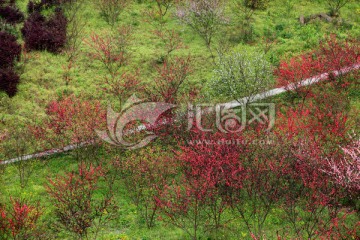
<point>184,206</point>
<point>170,39</point>
<point>323,117</point>
<point>76,207</point>
<point>145,173</point>
<point>311,136</point>
<point>19,220</point>
<point>291,73</point>
<point>264,163</point>
<point>75,117</point>
<point>113,52</point>
<point>122,86</point>
<point>311,191</point>
<point>336,54</point>
<point>72,121</point>
<point>196,201</point>
<point>170,85</point>
<point>170,80</point>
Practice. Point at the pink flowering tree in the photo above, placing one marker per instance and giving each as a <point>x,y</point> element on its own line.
<point>346,171</point>
<point>204,16</point>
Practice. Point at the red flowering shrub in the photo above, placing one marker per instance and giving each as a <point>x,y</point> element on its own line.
<point>336,54</point>
<point>145,173</point>
<point>75,117</point>
<point>331,55</point>
<point>113,52</point>
<point>169,83</point>
<point>42,34</point>
<point>312,133</point>
<point>76,207</point>
<point>184,204</point>
<point>196,200</point>
<point>72,121</point>
<point>19,221</point>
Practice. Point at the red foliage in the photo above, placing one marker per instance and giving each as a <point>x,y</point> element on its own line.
<point>145,173</point>
<point>71,121</point>
<point>331,55</point>
<point>171,40</point>
<point>76,208</point>
<point>291,73</point>
<point>20,220</point>
<point>123,85</point>
<point>336,55</point>
<point>198,198</point>
<point>170,80</point>
<point>111,50</point>
<point>313,124</point>
<point>216,164</point>
<point>312,134</point>
<point>184,206</point>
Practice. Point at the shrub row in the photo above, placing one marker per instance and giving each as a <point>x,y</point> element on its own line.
<point>10,51</point>
<point>11,14</point>
<point>42,34</point>
<point>9,81</point>
<point>38,32</point>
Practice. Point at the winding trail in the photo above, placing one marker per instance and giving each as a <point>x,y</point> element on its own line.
<point>232,104</point>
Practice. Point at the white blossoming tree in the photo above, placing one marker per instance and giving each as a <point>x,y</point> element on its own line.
<point>204,16</point>
<point>241,75</point>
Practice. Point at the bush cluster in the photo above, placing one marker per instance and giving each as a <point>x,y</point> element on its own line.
<point>10,51</point>
<point>9,81</point>
<point>39,34</point>
<point>42,34</point>
<point>11,14</point>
